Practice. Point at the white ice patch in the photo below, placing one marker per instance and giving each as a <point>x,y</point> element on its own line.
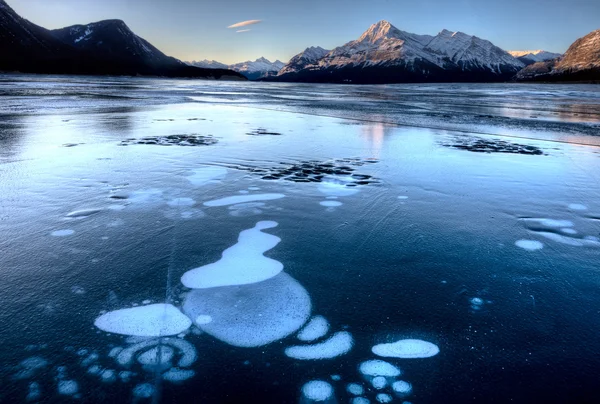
<point>402,387</point>
<point>154,320</point>
<point>62,233</point>
<point>529,245</point>
<point>406,348</point>
<point>339,344</point>
<point>233,200</point>
<point>355,389</point>
<point>379,382</point>
<point>241,264</point>
<point>204,175</point>
<point>316,328</point>
<point>317,390</point>
<point>552,222</point>
<point>203,319</point>
<point>376,367</point>
<point>577,206</point>
<point>330,204</point>
<point>109,376</point>
<point>84,212</point>
<point>68,387</point>
<point>251,315</point>
<point>177,202</point>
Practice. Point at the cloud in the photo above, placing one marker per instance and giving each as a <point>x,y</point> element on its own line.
<point>243,30</point>
<point>244,23</point>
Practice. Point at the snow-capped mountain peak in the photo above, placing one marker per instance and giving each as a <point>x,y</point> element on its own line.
<point>534,56</point>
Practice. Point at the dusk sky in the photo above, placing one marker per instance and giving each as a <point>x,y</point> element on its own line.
<point>197,29</point>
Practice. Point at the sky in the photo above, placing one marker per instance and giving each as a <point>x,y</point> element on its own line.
<point>197,29</point>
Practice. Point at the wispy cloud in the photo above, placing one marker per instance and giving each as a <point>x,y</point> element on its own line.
<point>244,23</point>
<point>243,30</point>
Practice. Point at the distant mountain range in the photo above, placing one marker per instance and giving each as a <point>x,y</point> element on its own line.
<point>382,54</point>
<point>105,47</point>
<point>252,70</point>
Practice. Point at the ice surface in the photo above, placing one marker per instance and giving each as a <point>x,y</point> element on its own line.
<point>251,315</point>
<point>376,367</point>
<point>317,390</point>
<point>177,202</point>
<point>241,264</point>
<point>559,238</point>
<point>316,328</point>
<point>569,231</point>
<point>530,245</point>
<point>233,200</point>
<point>84,212</point>
<point>62,233</point>
<point>406,348</point>
<point>204,175</point>
<point>68,387</point>
<point>577,206</point>
<point>333,188</point>
<point>153,320</point>
<point>379,382</point>
<point>339,344</point>
<point>146,196</point>
<point>355,389</point>
<point>552,222</point>
<point>330,204</point>
<point>402,387</point>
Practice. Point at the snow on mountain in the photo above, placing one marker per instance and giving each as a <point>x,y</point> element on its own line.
<point>308,57</point>
<point>384,53</point>
<point>208,64</point>
<point>530,57</point>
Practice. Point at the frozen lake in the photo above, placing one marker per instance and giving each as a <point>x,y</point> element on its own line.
<point>192,241</point>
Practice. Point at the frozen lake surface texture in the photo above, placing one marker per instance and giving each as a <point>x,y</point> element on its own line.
<point>174,241</point>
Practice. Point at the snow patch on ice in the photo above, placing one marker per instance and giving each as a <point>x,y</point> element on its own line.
<point>241,264</point>
<point>407,348</point>
<point>153,320</point>
<point>339,344</point>
<point>233,200</point>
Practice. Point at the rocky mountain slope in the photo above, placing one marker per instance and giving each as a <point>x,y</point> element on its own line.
<point>385,54</point>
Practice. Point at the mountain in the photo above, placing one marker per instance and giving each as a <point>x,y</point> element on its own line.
<point>531,57</point>
<point>385,54</point>
<point>258,69</point>
<point>208,64</point>
<point>105,47</point>
<point>304,59</point>
<point>581,62</point>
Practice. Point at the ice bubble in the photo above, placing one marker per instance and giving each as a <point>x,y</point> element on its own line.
<point>403,197</point>
<point>89,360</point>
<point>205,175</point>
<point>108,376</point>
<point>330,204</point>
<point>62,233</point>
<point>379,382</point>
<point>336,378</point>
<point>402,387</point>
<point>477,301</point>
<point>233,200</point>
<point>203,319</point>
<point>253,188</point>
<point>559,238</point>
<point>577,206</point>
<point>29,367</point>
<point>181,202</point>
<point>114,352</point>
<point>35,392</point>
<point>178,375</point>
<point>339,344</point>
<point>529,245</point>
<point>159,355</point>
<point>317,390</point>
<point>360,400</point>
<point>355,389</point>
<point>569,231</point>
<point>84,212</point>
<point>125,376</point>
<point>144,390</point>
<point>552,222</point>
<point>251,315</point>
<point>406,348</point>
<point>316,328</point>
<point>154,320</point>
<point>184,348</point>
<point>384,398</point>
<point>246,209</point>
<point>376,367</point>
<point>593,239</point>
<point>329,186</point>
<point>68,387</point>
<point>94,370</point>
<point>241,264</point>
<point>244,192</point>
